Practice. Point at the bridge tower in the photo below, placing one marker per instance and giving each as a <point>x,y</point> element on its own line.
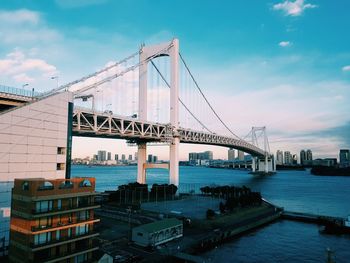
<point>266,164</point>
<point>170,49</point>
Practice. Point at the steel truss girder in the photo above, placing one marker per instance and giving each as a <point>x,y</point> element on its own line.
<point>96,124</point>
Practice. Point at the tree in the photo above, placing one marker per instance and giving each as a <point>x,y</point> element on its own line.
<point>210,214</point>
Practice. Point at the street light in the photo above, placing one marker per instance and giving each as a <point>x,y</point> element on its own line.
<point>25,85</point>
<point>56,78</point>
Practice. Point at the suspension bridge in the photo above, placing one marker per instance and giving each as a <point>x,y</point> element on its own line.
<point>152,96</point>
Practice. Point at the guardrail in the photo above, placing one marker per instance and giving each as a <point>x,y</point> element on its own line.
<point>18,92</point>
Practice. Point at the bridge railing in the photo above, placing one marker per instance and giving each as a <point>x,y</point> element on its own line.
<point>18,91</point>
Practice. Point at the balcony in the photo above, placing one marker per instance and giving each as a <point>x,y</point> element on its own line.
<point>62,225</point>
<point>63,240</point>
<point>47,258</point>
<point>65,209</point>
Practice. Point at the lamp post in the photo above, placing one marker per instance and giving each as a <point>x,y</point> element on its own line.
<point>56,78</point>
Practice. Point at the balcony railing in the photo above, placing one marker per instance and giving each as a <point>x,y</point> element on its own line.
<point>72,222</point>
<point>41,257</point>
<point>63,208</point>
<point>72,238</point>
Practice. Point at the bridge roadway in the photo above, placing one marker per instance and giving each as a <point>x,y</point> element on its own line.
<point>88,123</point>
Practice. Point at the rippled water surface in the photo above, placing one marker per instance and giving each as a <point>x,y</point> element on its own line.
<point>283,241</point>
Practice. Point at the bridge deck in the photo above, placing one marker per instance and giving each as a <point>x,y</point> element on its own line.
<point>95,124</point>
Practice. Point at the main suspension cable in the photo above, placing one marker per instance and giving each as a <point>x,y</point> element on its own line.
<point>201,92</point>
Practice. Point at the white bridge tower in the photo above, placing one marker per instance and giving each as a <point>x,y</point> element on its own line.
<point>170,49</point>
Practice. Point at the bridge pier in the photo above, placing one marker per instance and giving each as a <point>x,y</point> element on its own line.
<point>141,163</point>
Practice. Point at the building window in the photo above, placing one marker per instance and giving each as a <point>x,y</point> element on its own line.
<point>69,232</point>
<point>59,204</point>
<point>44,222</point>
<point>25,186</point>
<point>140,234</point>
<point>61,150</point>
<point>81,258</point>
<point>58,235</point>
<point>85,183</point>
<point>46,186</point>
<point>60,166</point>
<point>42,238</point>
<point>43,206</point>
<point>83,215</point>
<point>82,229</point>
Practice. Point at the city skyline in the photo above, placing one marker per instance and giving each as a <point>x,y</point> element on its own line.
<point>270,55</point>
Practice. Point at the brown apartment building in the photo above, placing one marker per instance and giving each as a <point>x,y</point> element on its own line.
<point>52,220</point>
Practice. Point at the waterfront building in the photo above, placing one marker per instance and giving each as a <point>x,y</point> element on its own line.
<point>279,157</point>
<point>116,157</point>
<point>33,143</point>
<point>302,157</point>
<point>135,156</point>
<point>325,162</point>
<point>240,156</point>
<point>94,157</point>
<point>288,158</point>
<point>155,158</point>
<point>344,157</point>
<point>231,154</point>
<point>109,156</point>
<point>192,156</point>
<point>295,159</point>
<point>102,156</point>
<point>309,156</point>
<point>52,220</point>
<point>157,233</point>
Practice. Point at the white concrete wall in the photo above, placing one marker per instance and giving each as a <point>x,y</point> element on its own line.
<point>29,138</point>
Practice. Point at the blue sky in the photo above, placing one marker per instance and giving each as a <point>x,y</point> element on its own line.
<point>283,64</point>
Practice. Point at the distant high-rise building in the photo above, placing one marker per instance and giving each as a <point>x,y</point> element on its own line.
<point>123,157</point>
<point>95,157</point>
<point>231,154</point>
<point>295,159</point>
<point>344,157</point>
<point>302,157</point>
<point>150,158</point>
<point>130,157</point>
<point>155,158</point>
<point>101,156</point>
<point>240,156</point>
<point>109,156</point>
<point>116,157</point>
<point>279,157</point>
<point>207,155</point>
<point>193,156</point>
<point>309,156</point>
<point>288,158</point>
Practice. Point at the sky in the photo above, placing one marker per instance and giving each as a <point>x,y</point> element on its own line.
<point>280,64</point>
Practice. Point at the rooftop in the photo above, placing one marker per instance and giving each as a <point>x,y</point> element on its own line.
<point>160,225</point>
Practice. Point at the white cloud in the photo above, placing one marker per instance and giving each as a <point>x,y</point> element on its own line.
<point>284,44</point>
<point>346,68</point>
<point>21,68</point>
<point>291,8</point>
<point>20,16</point>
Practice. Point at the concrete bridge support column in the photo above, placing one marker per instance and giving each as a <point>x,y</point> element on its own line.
<point>174,112</point>
<point>141,163</point>
<point>266,164</point>
<point>253,164</point>
<point>174,162</point>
